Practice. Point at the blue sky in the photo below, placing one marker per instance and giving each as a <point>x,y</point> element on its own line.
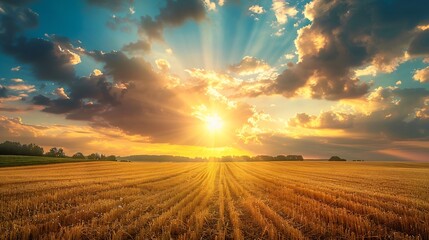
<point>280,74</point>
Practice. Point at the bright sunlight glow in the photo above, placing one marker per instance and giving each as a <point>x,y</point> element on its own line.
<point>214,123</point>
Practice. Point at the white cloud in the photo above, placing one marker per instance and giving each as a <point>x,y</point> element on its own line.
<point>132,11</point>
<point>370,70</point>
<point>163,65</point>
<point>289,56</point>
<point>256,9</point>
<point>422,75</point>
<point>61,93</point>
<point>282,11</point>
<point>211,6</point>
<point>96,72</point>
<point>16,69</point>
<point>169,51</point>
<point>22,87</point>
<point>17,80</point>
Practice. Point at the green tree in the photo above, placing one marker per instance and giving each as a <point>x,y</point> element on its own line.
<point>78,155</point>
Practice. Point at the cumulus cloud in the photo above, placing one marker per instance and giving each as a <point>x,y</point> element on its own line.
<point>333,46</point>
<point>207,78</point>
<point>140,45</point>
<point>329,119</point>
<point>390,113</point>
<point>49,60</point>
<point>72,138</point>
<point>256,9</point>
<point>290,56</point>
<point>419,44</point>
<point>174,14</point>
<point>61,93</point>
<point>422,75</point>
<point>249,65</point>
<point>163,65</point>
<point>282,11</point>
<point>22,88</point>
<point>169,51</point>
<point>17,80</point>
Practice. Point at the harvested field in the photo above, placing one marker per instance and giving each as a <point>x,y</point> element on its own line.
<point>239,200</point>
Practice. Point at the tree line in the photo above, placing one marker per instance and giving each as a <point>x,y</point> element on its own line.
<point>16,148</point>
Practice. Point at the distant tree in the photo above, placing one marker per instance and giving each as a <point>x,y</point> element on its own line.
<point>56,152</point>
<point>280,158</point>
<point>111,158</point>
<point>94,156</point>
<point>336,158</point>
<point>78,155</point>
<point>15,148</point>
<point>61,153</point>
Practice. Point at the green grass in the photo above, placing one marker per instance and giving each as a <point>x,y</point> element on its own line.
<point>14,161</point>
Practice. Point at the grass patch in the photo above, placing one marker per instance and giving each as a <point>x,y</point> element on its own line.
<point>14,161</point>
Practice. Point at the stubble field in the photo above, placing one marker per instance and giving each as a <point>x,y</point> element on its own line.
<point>239,200</point>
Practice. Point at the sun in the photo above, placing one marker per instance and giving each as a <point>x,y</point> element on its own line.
<point>214,123</point>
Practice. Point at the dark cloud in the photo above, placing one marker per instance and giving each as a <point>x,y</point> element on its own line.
<point>174,14</point>
<point>41,100</point>
<point>398,114</point>
<point>140,45</point>
<point>48,60</point>
<point>114,5</point>
<point>3,92</point>
<point>420,44</point>
<point>14,21</point>
<point>398,118</point>
<point>329,120</point>
<point>345,35</point>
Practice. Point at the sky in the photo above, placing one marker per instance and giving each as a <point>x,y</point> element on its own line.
<point>217,77</point>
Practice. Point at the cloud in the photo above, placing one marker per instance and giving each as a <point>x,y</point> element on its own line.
<point>346,147</point>
<point>132,96</point>
<point>174,14</point>
<point>140,45</point>
<point>345,36</point>
<point>3,92</point>
<point>249,65</point>
<point>422,75</point>
<point>387,113</point>
<point>207,78</point>
<point>17,80</point>
<point>41,100</point>
<point>330,119</point>
<point>113,5</point>
<point>211,6</point>
<point>61,93</point>
<point>256,9</point>
<point>290,56</point>
<point>169,51</point>
<point>22,88</point>
<point>419,44</point>
<point>16,69</point>
<point>282,11</point>
<point>163,65</point>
